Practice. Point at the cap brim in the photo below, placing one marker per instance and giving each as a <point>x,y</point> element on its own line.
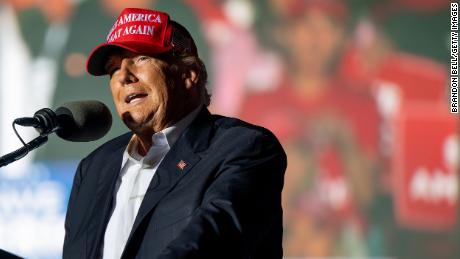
<point>96,62</point>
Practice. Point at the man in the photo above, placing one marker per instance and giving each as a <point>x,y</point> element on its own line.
<point>184,183</point>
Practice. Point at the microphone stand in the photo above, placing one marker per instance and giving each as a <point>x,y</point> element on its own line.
<point>22,152</point>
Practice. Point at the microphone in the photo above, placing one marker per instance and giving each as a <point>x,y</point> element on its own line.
<point>80,121</point>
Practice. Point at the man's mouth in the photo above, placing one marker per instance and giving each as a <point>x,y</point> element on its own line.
<point>134,97</point>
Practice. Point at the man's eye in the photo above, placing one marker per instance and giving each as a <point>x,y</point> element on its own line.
<point>143,58</point>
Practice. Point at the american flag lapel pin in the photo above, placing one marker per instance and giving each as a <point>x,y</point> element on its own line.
<point>181,165</point>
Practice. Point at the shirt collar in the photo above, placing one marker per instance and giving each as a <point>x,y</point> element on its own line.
<point>167,136</point>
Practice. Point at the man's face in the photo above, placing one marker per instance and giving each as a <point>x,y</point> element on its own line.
<point>145,99</point>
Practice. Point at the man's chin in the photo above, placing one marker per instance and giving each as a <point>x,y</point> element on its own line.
<point>137,125</point>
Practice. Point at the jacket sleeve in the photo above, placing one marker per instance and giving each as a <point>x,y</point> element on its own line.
<point>240,208</point>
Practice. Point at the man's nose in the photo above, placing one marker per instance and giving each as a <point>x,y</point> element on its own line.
<point>127,75</point>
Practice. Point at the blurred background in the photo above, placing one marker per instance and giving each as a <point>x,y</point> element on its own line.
<point>357,92</point>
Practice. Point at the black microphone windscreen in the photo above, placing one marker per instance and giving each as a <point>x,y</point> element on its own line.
<point>83,121</point>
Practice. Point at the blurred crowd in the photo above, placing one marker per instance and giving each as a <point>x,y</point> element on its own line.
<point>356,91</point>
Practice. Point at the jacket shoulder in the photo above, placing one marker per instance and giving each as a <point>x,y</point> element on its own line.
<point>235,124</point>
<point>240,131</point>
<point>111,145</point>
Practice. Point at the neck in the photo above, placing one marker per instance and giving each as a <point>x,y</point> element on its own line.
<point>145,138</point>
<point>144,145</point>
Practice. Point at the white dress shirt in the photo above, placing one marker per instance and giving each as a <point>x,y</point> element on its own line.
<point>135,176</point>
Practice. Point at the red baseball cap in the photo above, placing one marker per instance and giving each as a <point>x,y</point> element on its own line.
<point>141,31</point>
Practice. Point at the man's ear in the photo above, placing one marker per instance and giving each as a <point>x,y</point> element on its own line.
<point>191,78</point>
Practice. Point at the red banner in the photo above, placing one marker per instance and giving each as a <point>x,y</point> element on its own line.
<point>425,163</point>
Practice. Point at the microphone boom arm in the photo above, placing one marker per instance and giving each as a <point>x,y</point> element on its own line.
<point>22,152</point>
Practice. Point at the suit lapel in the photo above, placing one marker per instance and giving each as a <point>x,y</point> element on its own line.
<point>165,178</point>
<point>108,175</point>
<point>177,163</point>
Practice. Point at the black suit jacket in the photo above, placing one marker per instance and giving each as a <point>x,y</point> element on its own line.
<point>225,202</point>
